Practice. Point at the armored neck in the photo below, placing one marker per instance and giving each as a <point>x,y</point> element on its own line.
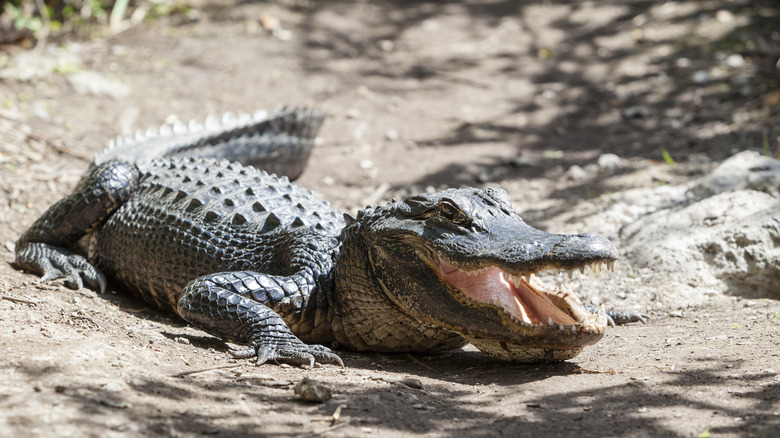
<point>367,318</point>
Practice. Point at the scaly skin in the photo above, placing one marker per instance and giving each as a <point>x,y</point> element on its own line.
<point>253,258</point>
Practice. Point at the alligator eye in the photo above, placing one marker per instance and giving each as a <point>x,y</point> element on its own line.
<point>451,212</point>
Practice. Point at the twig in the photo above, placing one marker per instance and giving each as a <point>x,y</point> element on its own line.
<point>18,300</point>
<point>589,371</point>
<point>419,362</point>
<point>221,367</point>
<point>46,28</point>
<point>338,425</point>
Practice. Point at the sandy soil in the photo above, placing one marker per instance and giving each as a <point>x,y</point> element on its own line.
<point>421,95</point>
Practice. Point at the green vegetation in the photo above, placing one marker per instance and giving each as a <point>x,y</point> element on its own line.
<point>42,17</point>
<point>667,157</point>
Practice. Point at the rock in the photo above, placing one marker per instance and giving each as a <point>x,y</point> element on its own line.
<point>735,60</point>
<point>745,170</point>
<point>576,173</point>
<point>725,242</point>
<point>27,66</point>
<point>88,82</point>
<point>724,16</point>
<point>717,234</point>
<point>312,391</point>
<point>609,161</point>
<point>386,45</point>
<point>636,112</point>
<point>700,77</point>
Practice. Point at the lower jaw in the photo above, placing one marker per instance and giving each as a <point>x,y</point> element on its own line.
<point>519,354</point>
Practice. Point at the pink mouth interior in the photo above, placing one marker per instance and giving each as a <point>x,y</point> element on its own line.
<point>490,286</point>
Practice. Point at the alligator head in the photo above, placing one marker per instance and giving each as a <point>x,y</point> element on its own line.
<point>464,261</point>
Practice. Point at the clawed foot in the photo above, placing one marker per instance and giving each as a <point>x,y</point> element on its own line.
<point>291,352</point>
<point>52,262</point>
<point>627,317</point>
<point>614,318</point>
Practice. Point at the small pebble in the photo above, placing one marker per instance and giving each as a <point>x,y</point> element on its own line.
<point>636,112</point>
<point>701,77</point>
<point>609,161</point>
<point>735,61</point>
<point>313,391</point>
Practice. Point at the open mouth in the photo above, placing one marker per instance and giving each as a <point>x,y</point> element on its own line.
<point>525,298</point>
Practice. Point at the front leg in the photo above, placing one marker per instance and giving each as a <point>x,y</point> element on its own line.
<point>221,305</point>
<point>46,248</point>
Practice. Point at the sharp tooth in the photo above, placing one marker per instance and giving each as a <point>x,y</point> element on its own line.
<point>600,266</point>
<point>611,266</point>
<point>602,310</point>
<point>550,321</point>
<point>574,328</point>
<point>517,281</point>
<point>571,273</point>
<point>582,269</point>
<point>593,267</point>
<point>561,327</point>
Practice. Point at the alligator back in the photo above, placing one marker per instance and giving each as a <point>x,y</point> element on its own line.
<point>192,217</point>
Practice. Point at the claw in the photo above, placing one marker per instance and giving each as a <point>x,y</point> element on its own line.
<point>329,357</point>
<point>245,353</point>
<point>74,281</point>
<point>628,317</point>
<point>52,263</point>
<point>49,273</point>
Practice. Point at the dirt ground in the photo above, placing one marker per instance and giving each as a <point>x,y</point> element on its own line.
<point>422,95</point>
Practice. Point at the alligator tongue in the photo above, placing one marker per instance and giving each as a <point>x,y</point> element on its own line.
<point>490,285</point>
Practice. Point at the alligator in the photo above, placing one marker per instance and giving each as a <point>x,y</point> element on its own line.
<point>173,217</point>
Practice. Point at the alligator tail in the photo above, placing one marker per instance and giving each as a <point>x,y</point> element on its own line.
<point>279,143</point>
